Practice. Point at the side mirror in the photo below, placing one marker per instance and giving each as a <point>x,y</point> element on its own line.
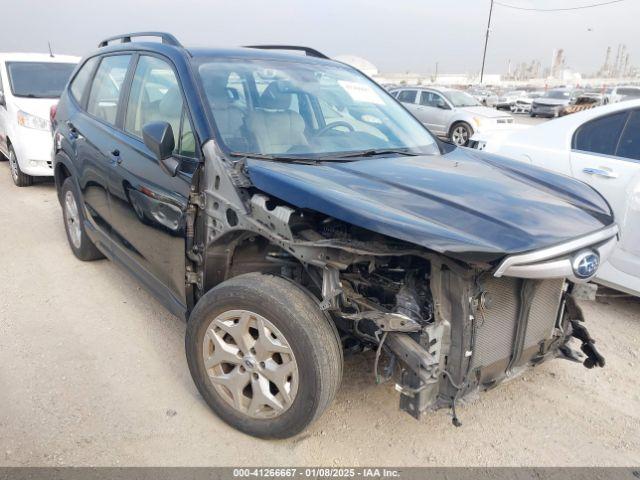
<point>158,137</point>
<point>443,106</point>
<point>3,101</point>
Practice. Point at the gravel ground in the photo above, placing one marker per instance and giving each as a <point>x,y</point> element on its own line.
<point>93,372</point>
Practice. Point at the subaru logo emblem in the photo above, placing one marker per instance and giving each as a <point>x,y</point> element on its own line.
<point>585,264</point>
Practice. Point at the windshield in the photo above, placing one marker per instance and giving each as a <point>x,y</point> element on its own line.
<point>461,99</point>
<point>268,107</point>
<point>560,94</point>
<point>38,79</point>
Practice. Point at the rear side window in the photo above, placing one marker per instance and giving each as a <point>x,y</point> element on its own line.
<point>629,146</point>
<point>156,96</point>
<point>407,96</point>
<point>106,86</point>
<point>600,135</point>
<point>81,80</point>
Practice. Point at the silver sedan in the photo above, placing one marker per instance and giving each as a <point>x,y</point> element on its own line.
<point>451,113</point>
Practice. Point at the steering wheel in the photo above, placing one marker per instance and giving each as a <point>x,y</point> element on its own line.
<point>333,125</point>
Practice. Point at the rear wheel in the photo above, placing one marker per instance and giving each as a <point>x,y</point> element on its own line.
<point>20,179</point>
<point>263,355</point>
<point>81,245</point>
<point>461,133</point>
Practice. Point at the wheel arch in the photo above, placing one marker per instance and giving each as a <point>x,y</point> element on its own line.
<point>63,169</point>
<point>239,252</point>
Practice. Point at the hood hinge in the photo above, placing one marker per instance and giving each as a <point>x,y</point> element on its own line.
<point>197,199</point>
<point>192,277</point>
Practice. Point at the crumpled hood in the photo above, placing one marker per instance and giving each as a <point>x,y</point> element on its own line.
<point>466,204</point>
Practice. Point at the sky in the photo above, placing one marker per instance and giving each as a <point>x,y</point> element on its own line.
<point>395,35</point>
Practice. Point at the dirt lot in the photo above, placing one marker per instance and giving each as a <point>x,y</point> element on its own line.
<point>93,373</point>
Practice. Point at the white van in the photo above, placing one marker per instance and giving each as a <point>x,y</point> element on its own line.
<point>30,84</point>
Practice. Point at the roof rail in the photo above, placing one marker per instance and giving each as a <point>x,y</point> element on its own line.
<point>167,38</point>
<point>310,52</point>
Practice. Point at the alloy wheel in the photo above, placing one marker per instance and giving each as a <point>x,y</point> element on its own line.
<point>72,219</point>
<point>460,135</point>
<point>13,164</point>
<point>250,364</point>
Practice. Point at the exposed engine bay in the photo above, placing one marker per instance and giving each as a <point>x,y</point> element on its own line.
<point>440,327</point>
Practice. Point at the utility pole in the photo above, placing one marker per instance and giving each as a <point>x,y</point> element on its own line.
<point>486,41</point>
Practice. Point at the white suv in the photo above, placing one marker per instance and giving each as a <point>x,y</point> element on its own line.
<point>30,84</point>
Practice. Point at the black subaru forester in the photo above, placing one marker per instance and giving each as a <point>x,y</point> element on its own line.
<point>289,210</point>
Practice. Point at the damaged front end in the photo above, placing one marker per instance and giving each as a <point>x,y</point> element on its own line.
<point>441,327</point>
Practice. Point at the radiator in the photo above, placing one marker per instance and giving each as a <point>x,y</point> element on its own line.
<point>496,324</point>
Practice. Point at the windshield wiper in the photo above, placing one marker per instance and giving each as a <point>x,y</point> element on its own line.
<point>371,153</point>
<point>276,158</point>
<point>335,157</point>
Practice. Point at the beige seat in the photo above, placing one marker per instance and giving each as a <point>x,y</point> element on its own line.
<point>275,127</point>
<point>229,118</point>
<point>170,110</point>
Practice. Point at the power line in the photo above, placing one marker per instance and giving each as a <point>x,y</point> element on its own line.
<point>515,7</point>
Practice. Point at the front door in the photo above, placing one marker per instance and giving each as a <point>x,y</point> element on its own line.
<point>148,206</point>
<point>434,112</point>
<point>606,155</point>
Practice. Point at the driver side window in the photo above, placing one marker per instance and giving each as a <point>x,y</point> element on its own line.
<point>156,96</point>
<point>432,99</point>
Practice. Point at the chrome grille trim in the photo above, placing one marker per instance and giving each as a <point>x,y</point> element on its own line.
<point>553,262</point>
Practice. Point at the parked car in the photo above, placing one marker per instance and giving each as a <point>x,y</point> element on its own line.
<point>582,101</point>
<point>451,113</point>
<point>552,103</point>
<point>288,207</point>
<point>484,96</point>
<point>600,147</point>
<point>508,99</point>
<point>622,93</point>
<point>523,104</point>
<point>29,85</point>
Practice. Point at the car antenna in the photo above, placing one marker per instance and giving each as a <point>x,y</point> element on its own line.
<point>50,51</point>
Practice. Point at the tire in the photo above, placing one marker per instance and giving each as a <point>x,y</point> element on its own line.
<point>19,179</point>
<point>73,216</point>
<point>311,355</point>
<point>460,133</point>
<point>532,115</point>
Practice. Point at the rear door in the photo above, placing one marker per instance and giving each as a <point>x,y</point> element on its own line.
<point>148,206</point>
<point>606,155</point>
<point>93,134</point>
<point>409,98</point>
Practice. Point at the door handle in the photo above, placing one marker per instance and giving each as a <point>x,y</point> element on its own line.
<point>116,156</point>
<point>601,172</point>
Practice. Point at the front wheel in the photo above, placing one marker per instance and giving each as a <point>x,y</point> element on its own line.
<point>19,179</point>
<point>263,355</point>
<point>461,133</point>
